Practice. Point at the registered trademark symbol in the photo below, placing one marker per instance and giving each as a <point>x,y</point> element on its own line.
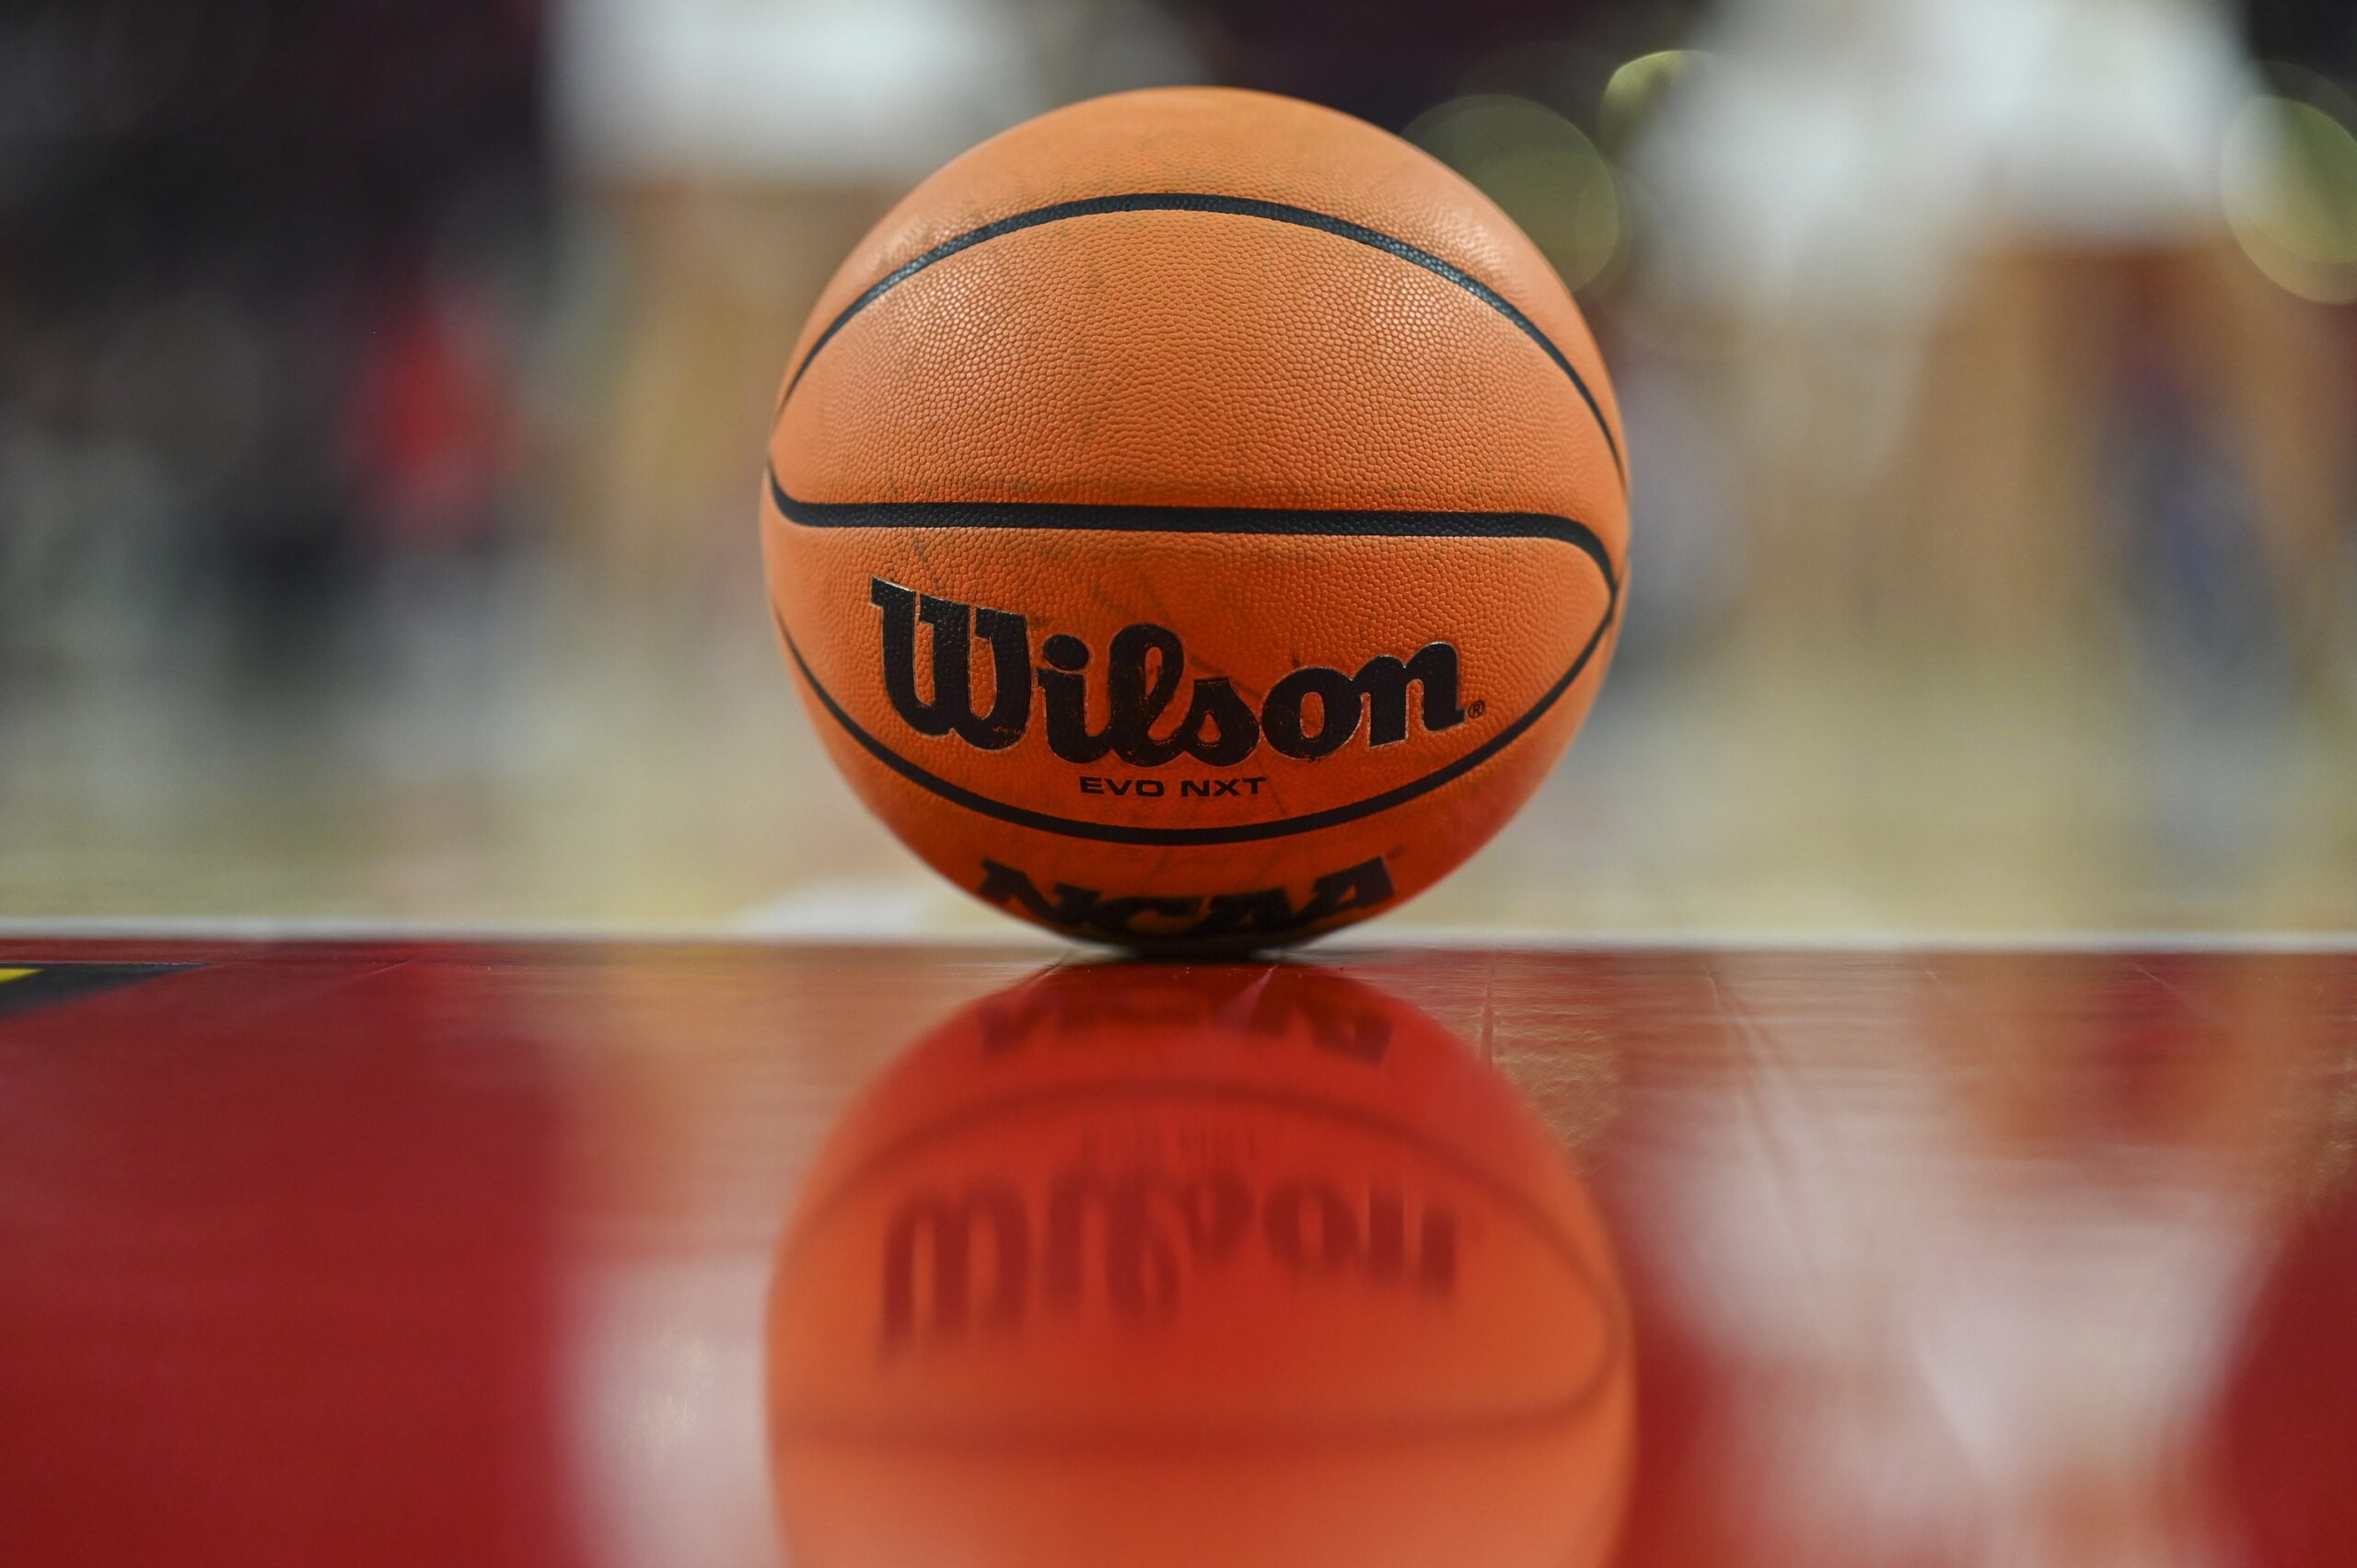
<point>1476,708</point>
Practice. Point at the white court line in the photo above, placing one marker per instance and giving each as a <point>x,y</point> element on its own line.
<point>1769,939</point>
<point>201,928</point>
<point>808,930</point>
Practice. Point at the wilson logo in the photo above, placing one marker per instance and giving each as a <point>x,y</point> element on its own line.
<point>996,1256</point>
<point>1311,712</point>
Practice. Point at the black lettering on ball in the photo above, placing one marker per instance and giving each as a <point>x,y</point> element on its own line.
<point>1283,718</point>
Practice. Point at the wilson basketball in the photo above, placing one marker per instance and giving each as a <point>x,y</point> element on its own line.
<point>1222,1265</point>
<point>1195,517</point>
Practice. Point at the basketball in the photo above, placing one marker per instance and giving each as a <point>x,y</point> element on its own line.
<point>1195,517</point>
<point>1225,1265</point>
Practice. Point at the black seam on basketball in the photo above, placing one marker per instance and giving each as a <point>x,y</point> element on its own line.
<point>1231,206</point>
<point>1532,526</point>
<point>1046,1435</point>
<point>1080,517</point>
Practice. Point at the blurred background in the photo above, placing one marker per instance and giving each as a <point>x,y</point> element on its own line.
<point>382,384</point>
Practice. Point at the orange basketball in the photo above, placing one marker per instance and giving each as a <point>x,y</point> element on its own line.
<point>1195,517</point>
<point>1223,1266</point>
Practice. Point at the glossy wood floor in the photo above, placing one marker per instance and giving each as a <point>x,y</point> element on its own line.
<point>569,1254</point>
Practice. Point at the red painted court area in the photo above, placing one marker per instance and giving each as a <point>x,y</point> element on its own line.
<point>362,1254</point>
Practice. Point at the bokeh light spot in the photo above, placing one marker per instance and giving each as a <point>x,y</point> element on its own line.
<point>2290,174</point>
<point>1540,168</point>
<point>1636,86</point>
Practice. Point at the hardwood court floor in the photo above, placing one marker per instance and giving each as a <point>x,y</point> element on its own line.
<point>461,1252</point>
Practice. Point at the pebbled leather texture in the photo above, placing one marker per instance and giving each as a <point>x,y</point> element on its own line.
<point>1267,384</point>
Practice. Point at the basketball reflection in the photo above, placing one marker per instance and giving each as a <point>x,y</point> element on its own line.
<point>1225,1264</point>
